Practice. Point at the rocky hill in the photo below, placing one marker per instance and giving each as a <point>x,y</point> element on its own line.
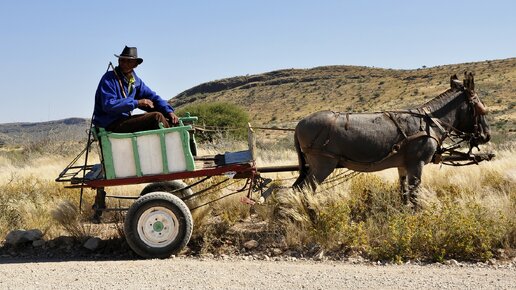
<point>283,97</point>
<point>72,129</point>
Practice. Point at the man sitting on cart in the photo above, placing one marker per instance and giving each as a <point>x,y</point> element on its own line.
<point>120,91</point>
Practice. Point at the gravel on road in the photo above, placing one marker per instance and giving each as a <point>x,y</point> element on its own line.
<point>190,273</point>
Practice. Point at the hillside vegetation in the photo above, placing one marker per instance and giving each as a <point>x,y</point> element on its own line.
<point>71,129</point>
<point>284,97</point>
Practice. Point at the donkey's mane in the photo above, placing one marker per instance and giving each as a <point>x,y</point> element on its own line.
<point>442,99</point>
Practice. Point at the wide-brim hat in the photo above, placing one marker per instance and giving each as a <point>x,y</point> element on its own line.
<point>130,53</point>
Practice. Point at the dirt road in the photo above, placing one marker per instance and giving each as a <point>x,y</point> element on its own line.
<point>188,273</point>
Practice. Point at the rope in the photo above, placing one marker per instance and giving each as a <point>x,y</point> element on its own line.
<point>217,199</point>
<point>344,178</point>
<point>215,128</point>
<point>274,129</point>
<point>286,179</point>
<point>119,80</point>
<point>227,128</point>
<point>207,189</point>
<point>340,175</point>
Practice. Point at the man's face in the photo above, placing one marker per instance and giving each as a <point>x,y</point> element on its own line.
<point>127,65</point>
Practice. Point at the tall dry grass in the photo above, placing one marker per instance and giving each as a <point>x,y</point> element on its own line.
<point>26,201</point>
<point>30,198</point>
<point>468,212</point>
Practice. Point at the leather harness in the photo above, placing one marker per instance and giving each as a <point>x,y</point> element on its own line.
<point>428,132</point>
<point>422,113</point>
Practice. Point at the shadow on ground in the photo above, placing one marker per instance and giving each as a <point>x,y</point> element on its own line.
<point>66,248</point>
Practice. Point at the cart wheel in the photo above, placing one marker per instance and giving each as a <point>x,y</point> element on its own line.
<point>170,186</point>
<point>158,225</point>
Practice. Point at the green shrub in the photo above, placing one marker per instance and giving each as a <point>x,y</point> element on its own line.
<point>221,119</point>
<point>306,219</point>
<point>333,228</point>
<point>371,197</point>
<point>452,230</point>
<point>371,219</point>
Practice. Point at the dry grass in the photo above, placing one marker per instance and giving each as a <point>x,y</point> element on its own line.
<point>468,212</point>
<point>26,202</point>
<point>68,216</point>
<point>29,197</point>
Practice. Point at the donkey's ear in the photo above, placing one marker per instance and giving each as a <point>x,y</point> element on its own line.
<point>454,82</point>
<point>469,82</point>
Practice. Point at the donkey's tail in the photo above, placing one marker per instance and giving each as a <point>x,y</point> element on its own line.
<point>303,170</point>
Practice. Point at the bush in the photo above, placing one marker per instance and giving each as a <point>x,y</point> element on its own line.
<point>221,119</point>
<point>306,219</point>
<point>372,220</point>
<point>333,228</point>
<point>451,230</point>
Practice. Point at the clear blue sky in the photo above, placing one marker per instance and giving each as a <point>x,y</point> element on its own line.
<point>54,52</point>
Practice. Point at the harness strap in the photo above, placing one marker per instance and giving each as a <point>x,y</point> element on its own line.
<point>391,116</point>
<point>394,150</point>
<point>436,121</point>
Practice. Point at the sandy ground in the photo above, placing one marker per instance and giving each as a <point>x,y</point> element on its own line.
<point>189,273</point>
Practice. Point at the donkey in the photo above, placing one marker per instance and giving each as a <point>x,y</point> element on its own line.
<point>406,139</point>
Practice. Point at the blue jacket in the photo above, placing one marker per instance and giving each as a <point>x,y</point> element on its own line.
<point>111,105</point>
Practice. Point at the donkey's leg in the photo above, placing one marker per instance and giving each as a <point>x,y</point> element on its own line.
<point>301,180</point>
<point>414,180</point>
<point>402,173</point>
<point>303,170</point>
<point>320,168</point>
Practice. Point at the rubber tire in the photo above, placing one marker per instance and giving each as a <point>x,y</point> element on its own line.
<point>170,186</point>
<point>158,199</point>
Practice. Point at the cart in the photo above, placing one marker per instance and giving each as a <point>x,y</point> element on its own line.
<point>159,222</point>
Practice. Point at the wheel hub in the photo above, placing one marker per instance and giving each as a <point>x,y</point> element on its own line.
<point>158,226</point>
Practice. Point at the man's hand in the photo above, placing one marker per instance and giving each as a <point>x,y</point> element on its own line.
<point>145,103</point>
<point>173,118</point>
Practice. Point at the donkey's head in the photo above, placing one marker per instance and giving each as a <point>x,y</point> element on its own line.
<point>471,114</point>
